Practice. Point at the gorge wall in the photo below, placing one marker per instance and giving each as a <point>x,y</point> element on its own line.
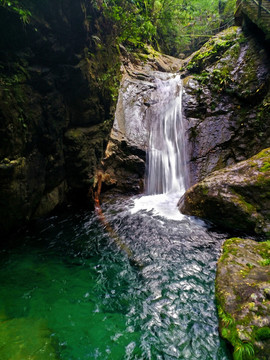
<point>59,77</point>
<point>58,87</point>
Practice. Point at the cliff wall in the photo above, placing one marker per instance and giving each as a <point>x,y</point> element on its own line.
<point>58,87</point>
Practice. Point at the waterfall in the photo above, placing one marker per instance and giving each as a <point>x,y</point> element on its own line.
<point>166,170</point>
<point>166,160</point>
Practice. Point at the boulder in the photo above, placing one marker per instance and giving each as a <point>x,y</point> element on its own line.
<point>243,297</point>
<point>226,102</point>
<point>235,198</point>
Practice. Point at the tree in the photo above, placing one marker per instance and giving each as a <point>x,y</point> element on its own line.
<point>173,25</point>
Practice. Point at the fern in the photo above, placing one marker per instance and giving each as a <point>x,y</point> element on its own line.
<point>243,351</point>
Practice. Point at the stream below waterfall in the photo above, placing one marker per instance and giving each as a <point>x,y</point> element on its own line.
<point>68,276</point>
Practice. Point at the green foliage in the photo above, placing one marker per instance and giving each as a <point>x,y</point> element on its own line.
<point>265,262</point>
<point>17,7</point>
<point>243,351</point>
<point>265,167</point>
<point>132,24</point>
<point>174,26</point>
<point>263,333</point>
<point>186,25</point>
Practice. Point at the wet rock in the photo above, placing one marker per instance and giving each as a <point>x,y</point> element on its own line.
<point>123,168</point>
<point>243,296</point>
<point>226,103</point>
<point>22,183</point>
<point>54,78</point>
<point>51,200</point>
<point>139,105</point>
<point>236,198</point>
<point>83,149</point>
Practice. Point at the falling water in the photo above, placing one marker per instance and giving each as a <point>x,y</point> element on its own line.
<point>167,156</point>
<point>166,169</point>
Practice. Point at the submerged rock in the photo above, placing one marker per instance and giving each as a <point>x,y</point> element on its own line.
<point>22,338</point>
<point>243,296</point>
<point>236,198</point>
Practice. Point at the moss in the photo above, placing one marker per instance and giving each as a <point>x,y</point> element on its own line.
<point>213,49</point>
<point>265,250</point>
<point>263,333</point>
<point>220,78</point>
<point>205,190</point>
<point>227,249</point>
<point>74,133</point>
<point>265,166</point>
<point>240,318</point>
<point>265,262</point>
<point>243,204</point>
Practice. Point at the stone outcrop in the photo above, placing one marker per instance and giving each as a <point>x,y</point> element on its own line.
<point>58,86</point>
<point>243,297</point>
<point>226,102</point>
<point>139,102</point>
<point>236,198</point>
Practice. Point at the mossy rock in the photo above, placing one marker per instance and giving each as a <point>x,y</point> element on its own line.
<point>236,198</point>
<point>243,297</point>
<point>30,339</point>
<point>213,49</point>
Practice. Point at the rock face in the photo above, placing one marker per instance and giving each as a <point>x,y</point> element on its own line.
<point>243,296</point>
<point>226,102</point>
<point>139,102</point>
<point>58,87</point>
<point>236,198</point>
<point>58,90</point>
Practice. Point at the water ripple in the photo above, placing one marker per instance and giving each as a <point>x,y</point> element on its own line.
<point>100,305</point>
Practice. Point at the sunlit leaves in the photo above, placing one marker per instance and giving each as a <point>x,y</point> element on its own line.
<point>16,6</point>
<point>177,25</point>
<point>243,351</point>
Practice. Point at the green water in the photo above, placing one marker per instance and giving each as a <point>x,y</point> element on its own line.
<point>68,292</point>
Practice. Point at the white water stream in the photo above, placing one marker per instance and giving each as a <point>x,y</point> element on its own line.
<point>166,170</point>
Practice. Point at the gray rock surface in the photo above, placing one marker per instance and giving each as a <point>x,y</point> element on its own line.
<point>236,198</point>
<point>226,102</point>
